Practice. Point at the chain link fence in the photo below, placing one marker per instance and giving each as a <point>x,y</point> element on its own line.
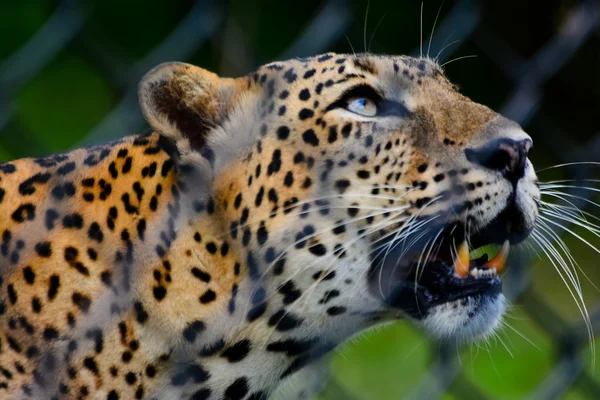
<point>540,69</point>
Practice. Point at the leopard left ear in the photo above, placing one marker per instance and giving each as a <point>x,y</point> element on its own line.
<point>184,101</point>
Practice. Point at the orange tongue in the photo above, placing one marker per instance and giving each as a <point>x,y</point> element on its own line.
<point>461,264</point>
<point>499,261</point>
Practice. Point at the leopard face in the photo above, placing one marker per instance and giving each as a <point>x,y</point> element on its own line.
<point>261,222</point>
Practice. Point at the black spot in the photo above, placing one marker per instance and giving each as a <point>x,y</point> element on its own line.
<point>283,132</point>
<point>318,249</point>
<point>126,165</point>
<point>141,228</point>
<point>304,95</point>
<point>336,310</point>
<point>203,276</point>
<point>112,395</point>
<point>95,233</point>
<point>330,294</point>
<point>96,336</point>
<point>29,275</point>
<point>88,182</point>
<point>305,113</point>
<point>309,73</point>
<point>309,137</point>
<point>275,164</point>
<point>43,249</point>
<point>211,247</point>
<point>141,314</point>
<point>208,297</point>
<point>346,129</point>
<point>130,378</point>
<point>54,284</point>
<point>284,321</point>
<point>202,394</point>
<point>50,333</point>
<point>51,217</point>
<point>238,351</point>
<point>292,347</point>
<point>159,292</point>
<point>193,330</point>
<point>290,76</point>
<point>7,168</point>
<point>13,344</point>
<point>73,221</point>
<point>362,174</point>
<point>212,349</point>
<point>342,184</point>
<point>12,295</point>
<point>323,275</point>
<point>238,201</point>
<point>36,305</point>
<point>193,372</point>
<point>131,209</point>
<point>237,390</point>
<point>262,234</point>
<point>289,179</point>
<point>27,187</point>
<point>290,292</point>
<point>25,212</point>
<point>81,301</point>
<point>256,312</point>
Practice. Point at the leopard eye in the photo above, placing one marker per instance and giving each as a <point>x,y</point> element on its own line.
<point>362,106</point>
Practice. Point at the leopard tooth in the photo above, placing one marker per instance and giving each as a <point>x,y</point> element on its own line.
<point>499,261</point>
<point>461,264</point>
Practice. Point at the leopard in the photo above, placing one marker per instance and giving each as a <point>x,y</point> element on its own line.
<point>258,224</point>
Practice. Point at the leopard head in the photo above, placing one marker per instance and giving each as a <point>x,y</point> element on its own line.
<point>355,187</point>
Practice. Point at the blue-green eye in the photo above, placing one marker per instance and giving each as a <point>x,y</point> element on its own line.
<point>362,106</point>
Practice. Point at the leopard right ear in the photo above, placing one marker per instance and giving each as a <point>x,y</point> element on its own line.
<point>184,101</point>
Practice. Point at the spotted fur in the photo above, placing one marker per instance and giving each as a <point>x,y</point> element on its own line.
<point>225,249</point>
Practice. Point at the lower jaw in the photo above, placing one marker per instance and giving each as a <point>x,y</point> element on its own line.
<point>465,320</point>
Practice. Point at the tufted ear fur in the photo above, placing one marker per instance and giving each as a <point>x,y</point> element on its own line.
<point>183,101</point>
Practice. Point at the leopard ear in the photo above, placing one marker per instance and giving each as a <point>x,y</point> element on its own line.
<point>183,101</point>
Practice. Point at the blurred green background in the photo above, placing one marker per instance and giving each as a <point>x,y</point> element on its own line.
<point>68,75</point>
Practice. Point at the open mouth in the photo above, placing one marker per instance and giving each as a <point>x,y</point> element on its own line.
<point>458,266</point>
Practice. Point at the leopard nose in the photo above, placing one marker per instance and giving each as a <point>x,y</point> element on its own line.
<point>508,156</point>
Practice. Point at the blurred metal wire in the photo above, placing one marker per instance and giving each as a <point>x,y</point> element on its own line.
<point>203,22</point>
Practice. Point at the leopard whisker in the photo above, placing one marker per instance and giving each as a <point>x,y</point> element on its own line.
<point>375,31</point>
<point>445,47</point>
<point>570,164</point>
<point>554,257</point>
<point>515,330</point>
<point>457,59</point>
<point>433,28</point>
<point>558,194</point>
<point>566,249</point>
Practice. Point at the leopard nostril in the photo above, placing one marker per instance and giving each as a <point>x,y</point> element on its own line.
<point>505,155</point>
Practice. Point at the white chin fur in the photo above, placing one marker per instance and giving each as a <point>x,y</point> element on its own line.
<point>465,320</point>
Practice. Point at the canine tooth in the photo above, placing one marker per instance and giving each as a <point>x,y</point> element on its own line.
<point>475,273</point>
<point>497,263</point>
<point>461,265</point>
